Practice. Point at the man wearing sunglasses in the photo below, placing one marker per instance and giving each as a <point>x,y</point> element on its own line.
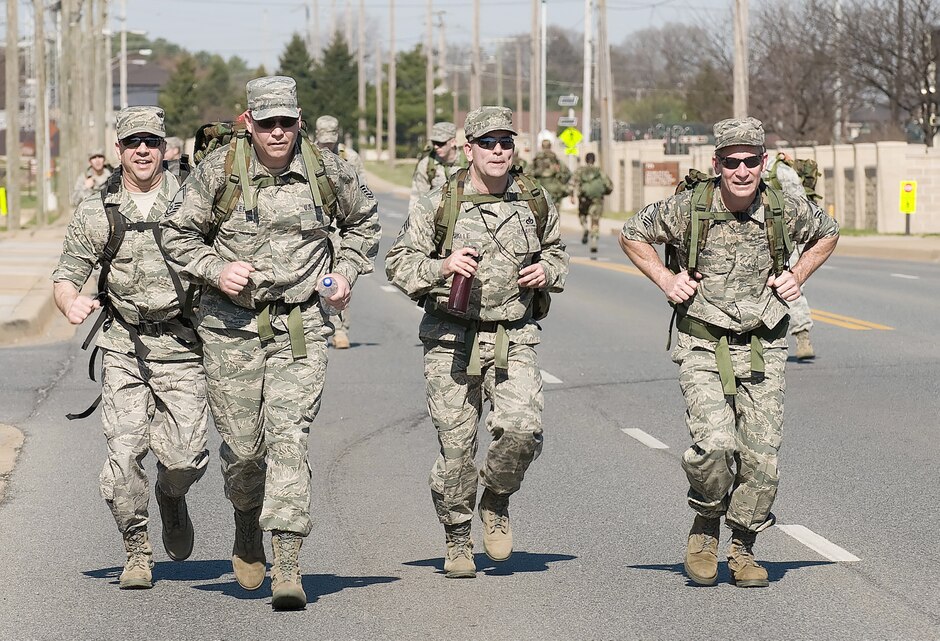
<point>263,328</point>
<point>436,165</point>
<point>487,352</point>
<point>731,313</point>
<point>153,385</point>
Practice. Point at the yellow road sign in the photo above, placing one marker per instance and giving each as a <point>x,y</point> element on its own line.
<point>571,151</point>
<point>3,201</point>
<point>570,137</point>
<point>908,196</point>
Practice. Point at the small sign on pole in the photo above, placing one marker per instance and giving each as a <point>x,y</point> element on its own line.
<point>3,201</point>
<point>908,202</point>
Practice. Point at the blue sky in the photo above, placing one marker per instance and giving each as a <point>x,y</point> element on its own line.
<point>258,30</point>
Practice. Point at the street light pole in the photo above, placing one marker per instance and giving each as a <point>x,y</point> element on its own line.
<point>123,71</point>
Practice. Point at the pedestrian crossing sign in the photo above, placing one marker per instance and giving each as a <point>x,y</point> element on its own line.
<point>3,201</point>
<point>908,196</point>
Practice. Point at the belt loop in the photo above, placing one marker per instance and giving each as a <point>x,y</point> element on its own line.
<point>265,331</point>
<point>725,368</point>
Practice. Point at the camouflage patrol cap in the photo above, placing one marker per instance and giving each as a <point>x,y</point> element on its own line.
<point>96,152</point>
<point>443,131</point>
<point>327,130</point>
<point>139,120</point>
<point>486,119</point>
<point>272,96</point>
<point>739,131</point>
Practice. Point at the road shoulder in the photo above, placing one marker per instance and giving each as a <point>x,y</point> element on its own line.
<point>11,440</point>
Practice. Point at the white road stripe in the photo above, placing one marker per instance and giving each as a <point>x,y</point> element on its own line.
<point>548,378</point>
<point>819,544</point>
<point>391,214</point>
<point>389,288</point>
<point>645,438</point>
<point>908,276</point>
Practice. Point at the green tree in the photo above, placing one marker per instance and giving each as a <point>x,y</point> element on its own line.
<point>297,63</point>
<point>409,99</point>
<point>337,77</point>
<point>215,93</point>
<point>176,99</point>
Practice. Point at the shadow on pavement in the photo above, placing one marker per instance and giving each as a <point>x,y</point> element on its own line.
<point>315,586</point>
<point>518,562</point>
<point>172,571</point>
<point>775,569</point>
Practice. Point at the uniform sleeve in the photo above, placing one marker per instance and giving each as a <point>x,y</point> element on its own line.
<point>809,222</point>
<point>658,223</point>
<point>188,223</point>
<point>358,223</point>
<point>553,257</point>
<point>408,264</point>
<point>419,182</point>
<point>84,242</point>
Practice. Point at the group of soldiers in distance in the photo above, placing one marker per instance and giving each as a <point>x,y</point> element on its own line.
<point>219,288</point>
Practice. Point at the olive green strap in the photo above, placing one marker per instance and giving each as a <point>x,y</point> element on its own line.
<point>295,331</point>
<point>472,338</point>
<point>241,168</point>
<point>725,368</point>
<point>757,356</point>
<point>502,348</point>
<point>312,167</point>
<point>265,331</point>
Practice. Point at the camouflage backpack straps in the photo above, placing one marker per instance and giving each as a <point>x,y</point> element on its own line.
<point>781,245</point>
<point>447,211</point>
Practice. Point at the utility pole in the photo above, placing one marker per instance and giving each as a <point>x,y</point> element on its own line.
<point>123,70</point>
<point>588,64</point>
<point>378,99</point>
<point>605,89</point>
<point>837,93</point>
<point>898,79</point>
<point>740,58</point>
<point>392,86</point>
<point>475,91</point>
<point>42,118</point>
<point>101,72</point>
<point>429,72</point>
<point>534,75</point>
<point>456,91</point>
<point>361,64</point>
<point>499,74</point>
<point>543,64</point>
<point>518,80</point>
<point>13,121</point>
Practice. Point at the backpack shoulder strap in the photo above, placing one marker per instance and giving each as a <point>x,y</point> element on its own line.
<point>447,211</point>
<point>321,189</point>
<point>185,168</point>
<point>699,205</point>
<point>781,245</point>
<point>538,201</point>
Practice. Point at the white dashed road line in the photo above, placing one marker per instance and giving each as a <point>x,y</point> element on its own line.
<point>548,378</point>
<point>907,276</point>
<point>819,544</point>
<point>389,289</point>
<point>645,438</point>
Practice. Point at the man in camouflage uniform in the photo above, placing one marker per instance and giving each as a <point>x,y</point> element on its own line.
<point>437,164</point>
<point>263,329</point>
<point>551,172</point>
<point>590,184</point>
<point>487,353</point>
<point>153,384</point>
<point>92,179</point>
<point>732,321</point>
<point>327,137</point>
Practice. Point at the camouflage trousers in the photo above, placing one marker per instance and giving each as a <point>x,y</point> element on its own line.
<point>732,463</point>
<point>589,212</point>
<point>264,403</point>
<point>800,319</point>
<point>157,406</point>
<point>340,322</point>
<point>455,403</point>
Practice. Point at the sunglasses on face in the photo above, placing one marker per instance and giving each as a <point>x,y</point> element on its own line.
<point>133,142</point>
<point>284,122</point>
<point>489,142</point>
<point>733,163</point>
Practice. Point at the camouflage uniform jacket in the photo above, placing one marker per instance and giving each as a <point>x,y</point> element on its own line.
<point>419,181</point>
<point>736,260</point>
<point>139,284</point>
<point>506,236</point>
<point>80,192</point>
<point>589,175</point>
<point>351,156</point>
<point>286,241</point>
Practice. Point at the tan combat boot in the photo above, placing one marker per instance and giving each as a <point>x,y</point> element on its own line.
<point>458,561</point>
<point>745,571</point>
<point>287,591</point>
<point>137,572</point>
<point>497,532</point>
<point>177,526</point>
<point>804,348</point>
<point>340,340</point>
<point>248,551</point>
<point>701,555</point>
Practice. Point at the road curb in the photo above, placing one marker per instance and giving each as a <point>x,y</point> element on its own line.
<point>31,316</point>
<point>11,441</point>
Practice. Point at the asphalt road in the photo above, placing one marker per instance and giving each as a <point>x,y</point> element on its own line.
<point>601,520</point>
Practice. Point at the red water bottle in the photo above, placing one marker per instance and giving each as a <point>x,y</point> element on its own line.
<point>460,287</point>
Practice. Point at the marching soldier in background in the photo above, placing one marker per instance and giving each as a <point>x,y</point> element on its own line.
<point>263,329</point>
<point>731,293</point>
<point>551,172</point>
<point>153,388</point>
<point>93,178</point>
<point>437,164</point>
<point>506,238</point>
<point>590,184</point>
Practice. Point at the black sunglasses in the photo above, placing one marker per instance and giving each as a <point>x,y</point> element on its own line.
<point>733,163</point>
<point>284,122</point>
<point>490,142</point>
<point>133,142</point>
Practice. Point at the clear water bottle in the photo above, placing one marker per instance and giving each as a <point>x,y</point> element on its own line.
<point>326,288</point>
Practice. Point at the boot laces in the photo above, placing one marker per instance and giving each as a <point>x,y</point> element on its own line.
<point>744,552</point>
<point>172,511</point>
<point>246,527</point>
<point>702,542</point>
<point>498,507</point>
<point>137,557</point>
<point>287,557</point>
<point>460,547</point>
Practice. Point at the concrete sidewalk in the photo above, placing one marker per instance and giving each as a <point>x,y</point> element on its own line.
<point>28,257</point>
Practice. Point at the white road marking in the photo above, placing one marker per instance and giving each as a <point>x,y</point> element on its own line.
<point>389,289</point>
<point>908,276</point>
<point>819,544</point>
<point>548,378</point>
<point>645,438</point>
<point>391,214</point>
